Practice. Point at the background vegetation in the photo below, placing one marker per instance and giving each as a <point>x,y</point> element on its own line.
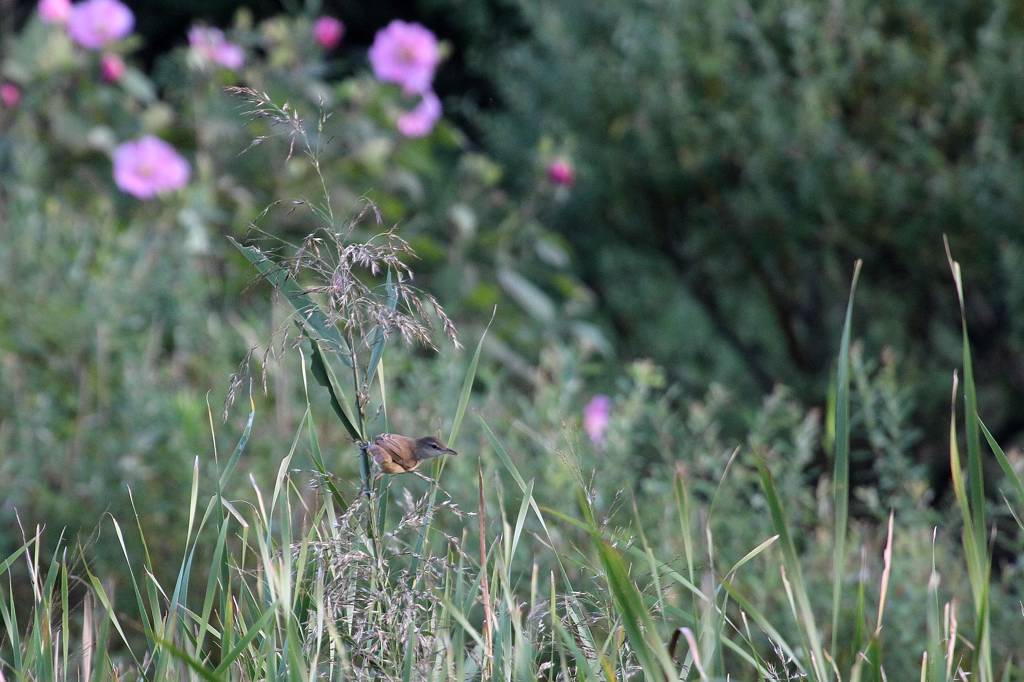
<point>729,163</point>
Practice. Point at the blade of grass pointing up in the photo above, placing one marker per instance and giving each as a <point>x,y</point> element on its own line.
<point>467,384</point>
<point>815,668</point>
<point>841,476</point>
<point>973,504</point>
<point>636,618</point>
<point>975,476</point>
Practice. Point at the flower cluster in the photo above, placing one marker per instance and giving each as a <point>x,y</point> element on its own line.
<point>407,54</point>
<point>147,167</point>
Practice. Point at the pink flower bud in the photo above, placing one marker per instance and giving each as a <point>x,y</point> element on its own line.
<point>561,173</point>
<point>54,11</point>
<point>10,95</point>
<point>111,67</point>
<point>328,31</point>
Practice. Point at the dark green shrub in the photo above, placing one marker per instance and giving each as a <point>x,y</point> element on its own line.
<point>734,158</point>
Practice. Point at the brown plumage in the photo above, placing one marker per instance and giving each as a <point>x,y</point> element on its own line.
<point>398,454</point>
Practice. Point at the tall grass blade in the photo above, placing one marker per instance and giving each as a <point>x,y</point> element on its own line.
<point>467,384</point>
<point>636,619</point>
<point>805,617</point>
<point>841,474</point>
<point>974,503</point>
<point>975,474</point>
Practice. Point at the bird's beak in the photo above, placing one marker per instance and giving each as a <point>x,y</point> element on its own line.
<point>450,451</point>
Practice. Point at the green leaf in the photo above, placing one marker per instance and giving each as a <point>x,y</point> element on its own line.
<point>1004,463</point>
<point>467,384</point>
<point>250,634</point>
<point>841,475</point>
<point>318,368</point>
<point>311,317</point>
<point>636,618</point>
<point>379,337</point>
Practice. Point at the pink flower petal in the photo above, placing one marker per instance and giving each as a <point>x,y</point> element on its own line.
<point>421,120</point>
<point>54,11</point>
<point>96,23</point>
<point>596,415</point>
<point>148,167</point>
<point>406,54</point>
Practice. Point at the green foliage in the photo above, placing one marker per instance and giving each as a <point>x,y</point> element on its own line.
<point>118,316</point>
<point>733,158</point>
<point>713,533</point>
<point>570,585</point>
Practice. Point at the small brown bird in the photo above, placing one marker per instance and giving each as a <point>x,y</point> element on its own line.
<point>397,454</point>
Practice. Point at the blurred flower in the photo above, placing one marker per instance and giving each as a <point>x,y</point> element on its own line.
<point>561,173</point>
<point>149,166</point>
<point>421,119</point>
<point>111,67</point>
<point>94,23</point>
<point>212,47</point>
<point>54,11</point>
<point>10,95</point>
<point>596,415</point>
<point>327,31</point>
<point>406,54</point>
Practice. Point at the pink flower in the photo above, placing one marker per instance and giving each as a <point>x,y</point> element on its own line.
<point>327,31</point>
<point>213,48</point>
<point>596,416</point>
<point>406,54</point>
<point>54,11</point>
<point>95,23</point>
<point>111,67</point>
<point>10,95</point>
<point>421,119</point>
<point>561,173</point>
<point>149,166</point>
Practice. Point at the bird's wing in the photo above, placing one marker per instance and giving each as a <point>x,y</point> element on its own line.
<point>394,453</point>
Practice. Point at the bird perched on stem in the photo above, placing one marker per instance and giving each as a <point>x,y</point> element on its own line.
<point>397,454</point>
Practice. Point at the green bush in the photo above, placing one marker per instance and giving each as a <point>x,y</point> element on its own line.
<point>734,158</point>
